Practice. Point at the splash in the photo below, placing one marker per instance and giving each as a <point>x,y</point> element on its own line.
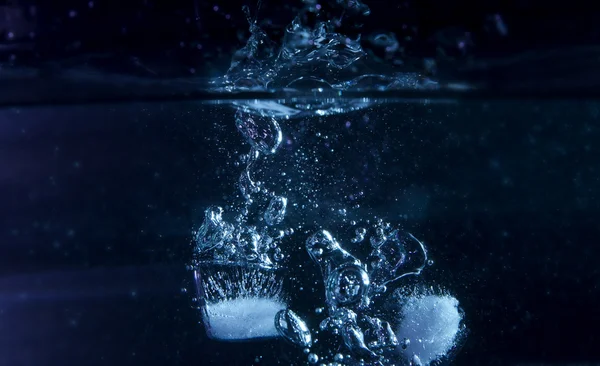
<point>314,56</point>
<point>242,255</point>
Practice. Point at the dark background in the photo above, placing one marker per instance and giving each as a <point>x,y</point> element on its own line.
<point>161,38</point>
<point>98,203</point>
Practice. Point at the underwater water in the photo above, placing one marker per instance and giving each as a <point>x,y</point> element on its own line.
<point>295,184</point>
<point>103,206</point>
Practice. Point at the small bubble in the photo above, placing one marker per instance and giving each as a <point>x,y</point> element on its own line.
<point>313,358</point>
<point>319,310</point>
<point>278,255</point>
<point>430,262</point>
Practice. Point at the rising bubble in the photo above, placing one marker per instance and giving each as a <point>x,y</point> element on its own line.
<point>276,210</point>
<point>262,133</point>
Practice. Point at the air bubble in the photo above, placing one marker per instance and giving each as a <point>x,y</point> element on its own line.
<point>262,133</point>
<point>293,328</point>
<point>278,255</point>
<point>275,211</point>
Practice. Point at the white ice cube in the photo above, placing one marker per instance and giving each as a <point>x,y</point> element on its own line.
<point>431,324</point>
<point>242,318</point>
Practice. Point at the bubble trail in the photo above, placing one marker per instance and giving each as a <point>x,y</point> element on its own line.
<point>347,295</point>
<point>262,133</point>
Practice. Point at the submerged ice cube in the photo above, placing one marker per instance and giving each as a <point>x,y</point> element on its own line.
<point>243,318</point>
<point>429,327</point>
<point>239,302</point>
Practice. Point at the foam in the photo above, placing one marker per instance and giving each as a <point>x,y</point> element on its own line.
<point>431,323</point>
<point>242,318</point>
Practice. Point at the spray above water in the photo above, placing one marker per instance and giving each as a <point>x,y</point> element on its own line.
<point>242,258</point>
<point>314,56</point>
